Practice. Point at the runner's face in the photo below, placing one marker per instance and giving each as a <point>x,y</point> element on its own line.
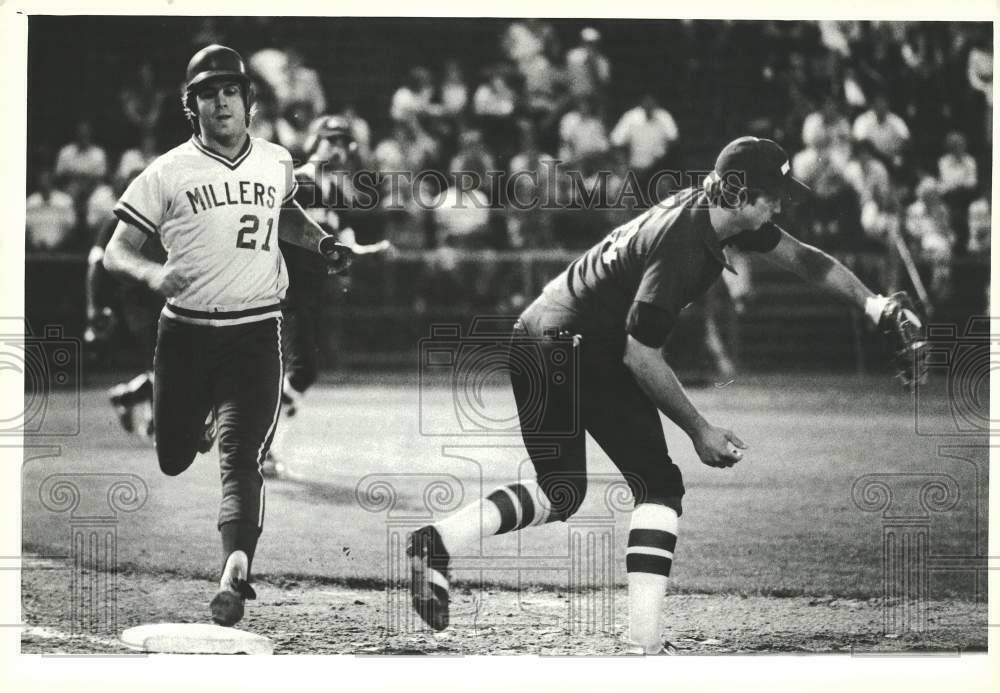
<point>221,111</point>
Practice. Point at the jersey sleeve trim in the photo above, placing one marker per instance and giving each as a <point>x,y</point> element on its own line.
<point>130,215</point>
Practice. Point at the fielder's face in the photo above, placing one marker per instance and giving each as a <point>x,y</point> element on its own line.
<point>760,212</point>
<point>221,111</point>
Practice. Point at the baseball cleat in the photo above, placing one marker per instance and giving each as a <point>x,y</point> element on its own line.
<point>227,604</point>
<point>429,576</point>
<point>123,410</point>
<point>208,432</point>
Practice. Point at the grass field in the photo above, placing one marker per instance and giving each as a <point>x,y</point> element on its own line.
<point>782,552</point>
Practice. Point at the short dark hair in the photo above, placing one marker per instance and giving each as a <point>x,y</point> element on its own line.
<point>730,195</point>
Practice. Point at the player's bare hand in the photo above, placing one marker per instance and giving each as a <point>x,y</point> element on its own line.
<point>169,281</point>
<point>718,447</point>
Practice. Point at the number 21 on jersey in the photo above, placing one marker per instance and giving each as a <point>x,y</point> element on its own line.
<point>251,223</point>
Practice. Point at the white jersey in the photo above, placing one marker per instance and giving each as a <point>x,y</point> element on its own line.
<point>217,219</point>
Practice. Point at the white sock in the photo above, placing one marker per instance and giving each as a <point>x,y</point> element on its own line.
<point>237,565</point>
<point>652,536</point>
<point>506,509</point>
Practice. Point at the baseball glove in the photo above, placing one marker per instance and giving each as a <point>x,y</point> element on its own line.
<point>338,256</point>
<point>901,324</point>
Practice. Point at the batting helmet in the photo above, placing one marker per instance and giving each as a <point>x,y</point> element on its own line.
<point>329,127</point>
<point>214,62</point>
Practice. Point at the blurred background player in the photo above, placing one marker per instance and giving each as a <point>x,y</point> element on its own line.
<point>138,310</point>
<point>326,193</point>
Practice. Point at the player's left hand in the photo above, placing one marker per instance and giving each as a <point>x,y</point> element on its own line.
<point>902,325</point>
<point>338,256</point>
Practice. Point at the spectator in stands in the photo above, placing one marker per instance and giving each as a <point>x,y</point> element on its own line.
<point>527,38</point>
<point>980,72</point>
<point>979,227</point>
<point>405,202</point>
<point>289,78</point>
<point>956,167</point>
<point>137,158</point>
<point>834,219</point>
<point>292,127</point>
<point>870,178</point>
<point>588,71</point>
<point>473,158</point>
<point>582,137</point>
<point>142,102</point>
<point>409,149</point>
<point>495,97</point>
<point>362,133</point>
<point>453,95</point>
<point>647,133</point>
<point>929,232</point>
<point>493,105</point>
<point>531,183</point>
<point>886,130</point>
<point>81,164</point>
<point>829,125</point>
<point>398,158</point>
<point>454,90</point>
<point>413,99</point>
<point>958,178</point>
<point>544,93</point>
<point>460,221</point>
<point>100,208</point>
<point>264,123</point>
<point>50,218</point>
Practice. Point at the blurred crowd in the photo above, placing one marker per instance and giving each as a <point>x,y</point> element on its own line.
<point>889,123</point>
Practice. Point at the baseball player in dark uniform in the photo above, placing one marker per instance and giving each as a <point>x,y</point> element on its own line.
<point>214,203</point>
<point>138,308</point>
<point>323,192</point>
<point>614,307</point>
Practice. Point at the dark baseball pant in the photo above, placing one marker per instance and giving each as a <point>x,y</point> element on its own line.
<point>300,341</point>
<point>565,385</point>
<point>236,370</point>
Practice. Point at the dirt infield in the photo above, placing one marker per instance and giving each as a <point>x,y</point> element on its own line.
<point>314,618</point>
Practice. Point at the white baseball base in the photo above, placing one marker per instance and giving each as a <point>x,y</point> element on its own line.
<point>195,638</point>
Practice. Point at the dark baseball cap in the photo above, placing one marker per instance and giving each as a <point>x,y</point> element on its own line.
<point>760,164</point>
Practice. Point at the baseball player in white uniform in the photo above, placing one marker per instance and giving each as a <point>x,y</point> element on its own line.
<point>214,202</point>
